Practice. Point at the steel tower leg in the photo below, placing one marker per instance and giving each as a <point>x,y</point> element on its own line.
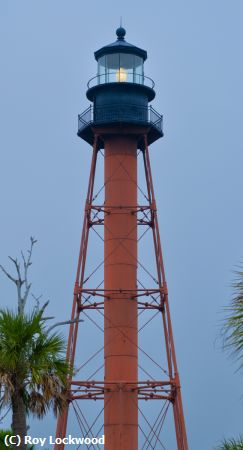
<point>75,315</point>
<point>179,420</point>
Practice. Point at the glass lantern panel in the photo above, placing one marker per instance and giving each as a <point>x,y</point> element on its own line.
<point>112,67</point>
<point>101,69</point>
<point>126,68</point>
<point>139,74</point>
<point>120,67</point>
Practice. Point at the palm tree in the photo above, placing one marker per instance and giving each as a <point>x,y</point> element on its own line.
<point>231,444</point>
<point>233,342</point>
<point>233,326</point>
<point>33,369</point>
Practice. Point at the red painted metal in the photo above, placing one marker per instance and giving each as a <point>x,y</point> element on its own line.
<point>121,299</point>
<point>120,273</point>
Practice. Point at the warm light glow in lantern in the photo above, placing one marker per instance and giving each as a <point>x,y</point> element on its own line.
<point>121,75</point>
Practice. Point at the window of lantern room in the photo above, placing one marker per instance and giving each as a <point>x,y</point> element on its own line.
<point>120,67</point>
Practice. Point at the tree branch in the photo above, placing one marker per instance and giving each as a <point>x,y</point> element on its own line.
<point>48,318</point>
<point>37,300</point>
<point>24,299</point>
<point>17,266</point>
<point>19,281</point>
<point>27,264</point>
<point>8,274</point>
<point>67,322</point>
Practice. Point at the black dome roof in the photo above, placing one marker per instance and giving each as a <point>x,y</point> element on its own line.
<point>120,46</point>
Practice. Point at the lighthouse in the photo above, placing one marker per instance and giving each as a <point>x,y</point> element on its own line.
<point>120,123</point>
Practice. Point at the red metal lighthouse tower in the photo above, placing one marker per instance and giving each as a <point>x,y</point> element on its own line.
<point>120,125</point>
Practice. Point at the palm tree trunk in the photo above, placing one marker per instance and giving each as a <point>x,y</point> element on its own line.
<point>19,425</point>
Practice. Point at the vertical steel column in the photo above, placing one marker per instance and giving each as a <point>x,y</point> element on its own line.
<point>74,321</point>
<point>180,428</point>
<point>121,330</point>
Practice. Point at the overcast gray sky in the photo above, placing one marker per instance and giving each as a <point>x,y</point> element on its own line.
<point>195,57</point>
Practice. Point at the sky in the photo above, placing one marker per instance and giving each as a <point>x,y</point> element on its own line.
<point>195,58</point>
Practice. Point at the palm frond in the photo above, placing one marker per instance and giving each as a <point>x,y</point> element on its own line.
<point>32,363</point>
<point>231,444</point>
<point>233,324</point>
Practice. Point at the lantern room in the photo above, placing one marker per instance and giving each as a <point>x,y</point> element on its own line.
<point>120,61</point>
<point>120,92</point>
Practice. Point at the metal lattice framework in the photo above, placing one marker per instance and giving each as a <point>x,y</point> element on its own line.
<point>154,298</point>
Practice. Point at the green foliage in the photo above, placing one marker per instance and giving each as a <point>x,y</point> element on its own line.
<point>233,326</point>
<point>231,444</point>
<point>233,343</point>
<point>4,433</point>
<point>33,361</point>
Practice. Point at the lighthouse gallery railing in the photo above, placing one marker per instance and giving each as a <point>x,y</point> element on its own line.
<point>118,113</point>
